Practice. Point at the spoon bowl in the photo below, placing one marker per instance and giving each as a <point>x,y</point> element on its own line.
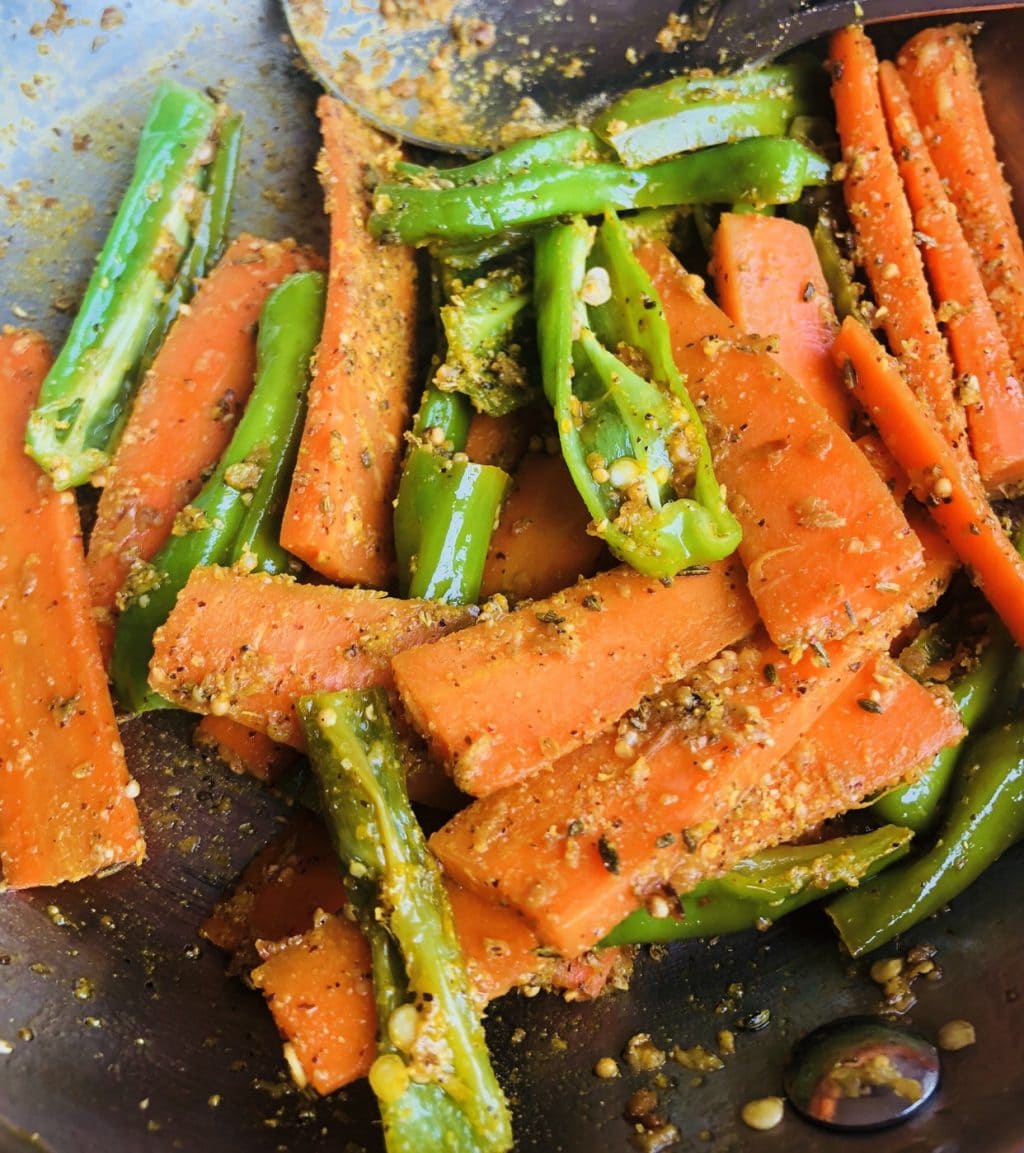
<point>471,75</point>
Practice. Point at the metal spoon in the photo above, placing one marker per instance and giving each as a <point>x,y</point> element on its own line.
<point>456,74</point>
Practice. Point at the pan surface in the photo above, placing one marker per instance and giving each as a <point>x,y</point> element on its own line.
<point>118,1028</point>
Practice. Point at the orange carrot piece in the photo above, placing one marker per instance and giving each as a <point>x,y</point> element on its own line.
<point>338,516</point>
<point>940,559</point>
<point>242,749</point>
<point>248,645</point>
<point>884,229</point>
<point>498,701</point>
<point>938,477</point>
<point>577,846</point>
<point>541,543</point>
<point>937,67</point>
<point>993,398</point>
<point>769,282</point>
<point>320,990</point>
<point>825,545</point>
<point>849,756</point>
<point>279,891</point>
<point>499,440</point>
<point>67,807</point>
<point>184,415</point>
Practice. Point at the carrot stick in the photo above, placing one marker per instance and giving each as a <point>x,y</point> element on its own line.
<point>498,701</point>
<point>242,749</point>
<point>991,394</point>
<point>884,229</point>
<point>577,847</point>
<point>938,477</point>
<point>247,645</point>
<point>937,67</point>
<point>541,543</point>
<point>338,516</point>
<point>851,754</point>
<point>183,416</point>
<point>825,545</point>
<point>769,282</point>
<point>67,806</point>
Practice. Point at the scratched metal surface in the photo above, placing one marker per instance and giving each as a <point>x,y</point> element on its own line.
<point>120,1029</point>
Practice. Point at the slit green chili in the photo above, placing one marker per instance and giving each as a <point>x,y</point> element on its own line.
<point>84,396</point>
<point>396,889</point>
<point>630,435</point>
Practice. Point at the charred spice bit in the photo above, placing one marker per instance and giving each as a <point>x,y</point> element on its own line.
<point>609,856</point>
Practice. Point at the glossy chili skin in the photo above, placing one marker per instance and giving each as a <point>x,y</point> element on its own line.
<point>694,111</point>
<point>447,505</point>
<point>984,817</point>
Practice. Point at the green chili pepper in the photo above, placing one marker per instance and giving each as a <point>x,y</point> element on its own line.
<point>634,446</point>
<point>84,396</point>
<point>918,805</point>
<point>209,237</point>
<point>240,493</point>
<point>767,886</point>
<point>696,111</point>
<point>984,817</point>
<point>838,269</point>
<point>763,170</point>
<point>573,146</point>
<point>398,895</point>
<point>446,507</point>
<point>289,333</point>
<point>484,333</point>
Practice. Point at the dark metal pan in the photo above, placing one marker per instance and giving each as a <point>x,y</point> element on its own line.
<point>119,1029</point>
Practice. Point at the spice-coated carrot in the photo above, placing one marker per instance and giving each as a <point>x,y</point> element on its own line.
<point>498,701</point>
<point>338,516</point>
<point>248,645</point>
<point>938,477</point>
<point>320,990</point>
<point>576,847</point>
<point>882,730</point>
<point>67,806</point>
<point>884,229</point>
<point>769,282</point>
<point>940,559</point>
<point>499,440</point>
<point>991,392</point>
<point>242,749</point>
<point>825,545</point>
<point>541,543</point>
<point>937,67</point>
<point>183,415</point>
